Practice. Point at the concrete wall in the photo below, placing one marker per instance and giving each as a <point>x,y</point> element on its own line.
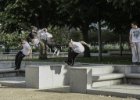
<point>46,76</point>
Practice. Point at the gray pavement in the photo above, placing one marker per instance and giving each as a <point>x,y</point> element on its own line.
<point>123,90</point>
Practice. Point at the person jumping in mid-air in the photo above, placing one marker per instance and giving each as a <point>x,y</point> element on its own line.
<point>75,48</point>
<point>26,50</point>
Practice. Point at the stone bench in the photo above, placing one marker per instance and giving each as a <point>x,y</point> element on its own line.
<point>46,76</point>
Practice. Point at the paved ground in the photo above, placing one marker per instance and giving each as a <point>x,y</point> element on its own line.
<point>9,93</point>
<point>15,89</point>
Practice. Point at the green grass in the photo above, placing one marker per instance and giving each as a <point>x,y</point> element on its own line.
<point>113,59</point>
<point>125,59</point>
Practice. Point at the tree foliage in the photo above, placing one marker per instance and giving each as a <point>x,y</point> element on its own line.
<point>16,14</point>
<point>123,13</point>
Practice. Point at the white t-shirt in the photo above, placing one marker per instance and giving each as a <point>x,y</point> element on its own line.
<point>135,33</point>
<point>44,35</point>
<point>35,41</point>
<point>26,48</point>
<point>77,47</point>
<point>49,35</point>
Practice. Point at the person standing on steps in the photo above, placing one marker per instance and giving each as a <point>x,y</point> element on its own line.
<point>134,38</point>
<point>26,51</point>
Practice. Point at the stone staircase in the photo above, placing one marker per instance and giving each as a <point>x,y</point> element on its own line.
<point>104,76</point>
<point>114,80</point>
<point>11,77</point>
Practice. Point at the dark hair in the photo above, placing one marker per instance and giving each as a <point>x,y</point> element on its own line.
<point>134,22</point>
<point>28,39</point>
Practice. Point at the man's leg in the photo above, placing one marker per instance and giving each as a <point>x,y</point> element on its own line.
<point>74,55</point>
<point>138,50</point>
<point>16,58</point>
<point>134,53</point>
<point>70,53</point>
<point>58,49</point>
<point>20,57</point>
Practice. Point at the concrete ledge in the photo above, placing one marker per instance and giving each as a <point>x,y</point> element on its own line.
<point>13,81</point>
<point>133,75</point>
<point>11,73</point>
<point>107,76</point>
<point>133,78</point>
<point>106,83</point>
<point>117,90</point>
<point>105,69</point>
<point>46,77</point>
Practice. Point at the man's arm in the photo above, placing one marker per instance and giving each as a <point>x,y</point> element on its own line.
<point>30,52</point>
<point>84,43</point>
<point>130,39</point>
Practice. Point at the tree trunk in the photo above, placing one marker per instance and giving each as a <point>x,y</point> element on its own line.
<point>121,47</point>
<point>42,51</point>
<point>99,41</point>
<point>85,37</point>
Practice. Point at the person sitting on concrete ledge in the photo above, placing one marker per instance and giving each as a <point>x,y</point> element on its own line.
<point>75,48</point>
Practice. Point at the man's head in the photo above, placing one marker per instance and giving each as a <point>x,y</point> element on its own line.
<point>34,29</point>
<point>134,25</point>
<point>45,29</point>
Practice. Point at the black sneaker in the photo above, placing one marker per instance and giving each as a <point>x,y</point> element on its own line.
<point>17,68</point>
<point>67,62</point>
<point>138,63</point>
<point>13,67</point>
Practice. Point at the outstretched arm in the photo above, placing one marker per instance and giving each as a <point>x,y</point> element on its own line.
<point>84,43</point>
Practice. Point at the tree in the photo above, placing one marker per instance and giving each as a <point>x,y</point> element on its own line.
<point>17,14</point>
<point>123,12</point>
<point>80,14</point>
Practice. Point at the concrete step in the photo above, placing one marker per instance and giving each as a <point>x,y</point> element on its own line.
<point>96,69</point>
<point>13,81</point>
<point>10,72</point>
<point>111,76</point>
<point>135,69</point>
<point>106,83</point>
<point>133,75</point>
<point>105,69</point>
<point>133,78</point>
<point>117,90</point>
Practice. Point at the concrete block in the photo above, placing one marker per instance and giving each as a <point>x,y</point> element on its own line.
<point>80,79</point>
<point>45,76</point>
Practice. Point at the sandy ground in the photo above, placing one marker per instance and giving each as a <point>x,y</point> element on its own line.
<point>10,93</point>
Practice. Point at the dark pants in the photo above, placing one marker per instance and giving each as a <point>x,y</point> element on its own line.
<point>71,57</point>
<point>18,59</point>
<point>52,45</point>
